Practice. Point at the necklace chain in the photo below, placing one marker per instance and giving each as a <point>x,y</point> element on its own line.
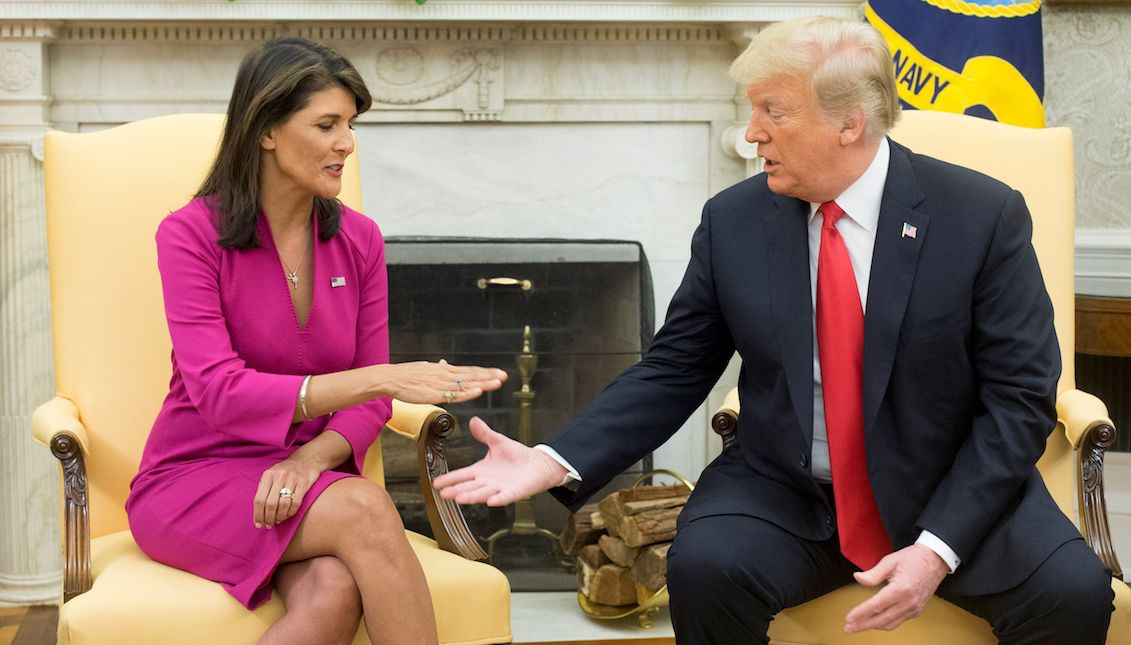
<point>292,274</point>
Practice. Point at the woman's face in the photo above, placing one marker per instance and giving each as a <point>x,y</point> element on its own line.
<point>306,153</point>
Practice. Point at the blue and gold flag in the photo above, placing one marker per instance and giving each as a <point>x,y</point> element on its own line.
<point>979,57</point>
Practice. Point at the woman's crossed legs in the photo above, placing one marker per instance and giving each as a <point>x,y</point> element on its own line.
<point>349,559</point>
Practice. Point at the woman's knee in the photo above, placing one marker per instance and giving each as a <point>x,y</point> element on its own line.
<point>362,509</point>
<point>331,590</point>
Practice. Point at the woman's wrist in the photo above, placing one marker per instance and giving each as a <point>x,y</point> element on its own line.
<point>324,452</point>
<point>379,381</point>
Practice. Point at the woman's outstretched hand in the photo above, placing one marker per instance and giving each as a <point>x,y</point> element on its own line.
<point>424,382</point>
<point>511,471</point>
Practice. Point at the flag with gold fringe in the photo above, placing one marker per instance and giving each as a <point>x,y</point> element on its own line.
<point>979,57</point>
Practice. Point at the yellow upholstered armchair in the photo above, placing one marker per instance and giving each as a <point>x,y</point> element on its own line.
<point>106,193</point>
<point>1037,162</point>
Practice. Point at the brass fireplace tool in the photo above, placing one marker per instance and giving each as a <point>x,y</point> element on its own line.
<point>524,522</point>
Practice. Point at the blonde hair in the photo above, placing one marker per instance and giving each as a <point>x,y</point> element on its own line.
<point>847,63</point>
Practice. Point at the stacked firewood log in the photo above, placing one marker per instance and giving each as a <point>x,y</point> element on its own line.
<point>621,543</point>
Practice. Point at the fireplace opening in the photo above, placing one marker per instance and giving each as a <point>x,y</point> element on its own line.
<point>562,317</point>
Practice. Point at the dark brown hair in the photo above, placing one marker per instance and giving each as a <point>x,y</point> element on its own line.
<point>273,82</point>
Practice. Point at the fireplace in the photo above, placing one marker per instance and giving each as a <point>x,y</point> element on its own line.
<point>562,317</point>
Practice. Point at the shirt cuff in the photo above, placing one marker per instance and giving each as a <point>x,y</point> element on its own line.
<point>571,473</point>
<point>932,542</point>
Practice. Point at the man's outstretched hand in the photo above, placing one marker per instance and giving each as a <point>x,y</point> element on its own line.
<point>509,472</point>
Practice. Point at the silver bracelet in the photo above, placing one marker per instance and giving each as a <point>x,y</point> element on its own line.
<point>302,397</point>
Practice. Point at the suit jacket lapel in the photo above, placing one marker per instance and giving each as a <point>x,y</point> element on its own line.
<point>894,260</point>
<point>791,298</point>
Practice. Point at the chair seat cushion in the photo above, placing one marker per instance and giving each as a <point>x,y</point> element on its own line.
<point>822,621</point>
<point>471,600</point>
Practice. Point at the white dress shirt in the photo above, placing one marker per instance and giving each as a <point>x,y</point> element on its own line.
<point>861,205</point>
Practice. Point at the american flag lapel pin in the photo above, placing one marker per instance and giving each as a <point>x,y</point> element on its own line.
<point>340,280</point>
<point>909,231</point>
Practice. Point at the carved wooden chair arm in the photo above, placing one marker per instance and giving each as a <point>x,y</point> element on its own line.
<point>725,421</point>
<point>1087,426</point>
<point>429,426</point>
<point>56,425</point>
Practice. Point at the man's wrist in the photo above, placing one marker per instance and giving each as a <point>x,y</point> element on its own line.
<point>947,556</point>
<point>570,475</point>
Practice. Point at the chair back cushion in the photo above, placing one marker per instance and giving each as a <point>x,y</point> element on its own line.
<point>106,192</point>
<point>1039,164</point>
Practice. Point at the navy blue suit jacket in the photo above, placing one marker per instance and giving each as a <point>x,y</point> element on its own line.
<point>960,371</point>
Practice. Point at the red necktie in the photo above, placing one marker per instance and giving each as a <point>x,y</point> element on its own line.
<point>840,347</point>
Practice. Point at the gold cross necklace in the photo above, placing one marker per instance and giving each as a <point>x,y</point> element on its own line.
<point>292,274</point>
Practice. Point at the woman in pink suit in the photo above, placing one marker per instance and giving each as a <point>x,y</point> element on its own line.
<point>275,296</point>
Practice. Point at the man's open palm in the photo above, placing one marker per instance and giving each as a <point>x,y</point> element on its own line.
<point>509,472</point>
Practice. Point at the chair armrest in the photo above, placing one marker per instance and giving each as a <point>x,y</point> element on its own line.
<point>1081,413</point>
<point>409,419</point>
<point>1090,432</point>
<point>725,420</point>
<point>56,425</point>
<point>55,416</point>
<point>429,426</point>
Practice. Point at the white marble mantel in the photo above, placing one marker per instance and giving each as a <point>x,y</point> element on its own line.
<point>612,11</point>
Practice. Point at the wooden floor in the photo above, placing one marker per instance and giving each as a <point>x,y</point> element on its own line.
<point>28,625</point>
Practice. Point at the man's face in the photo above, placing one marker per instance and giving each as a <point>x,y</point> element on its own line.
<point>802,152</point>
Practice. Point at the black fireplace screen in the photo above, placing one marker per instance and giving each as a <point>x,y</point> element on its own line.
<point>562,316</point>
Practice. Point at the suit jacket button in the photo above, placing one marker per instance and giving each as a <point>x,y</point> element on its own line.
<point>829,520</point>
<point>804,460</point>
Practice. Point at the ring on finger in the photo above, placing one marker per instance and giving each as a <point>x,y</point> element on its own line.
<point>286,493</point>
<point>448,396</point>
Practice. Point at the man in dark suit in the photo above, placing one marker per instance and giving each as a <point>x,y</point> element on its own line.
<point>899,369</point>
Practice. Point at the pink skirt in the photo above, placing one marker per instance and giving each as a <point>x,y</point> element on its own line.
<point>198,517</point>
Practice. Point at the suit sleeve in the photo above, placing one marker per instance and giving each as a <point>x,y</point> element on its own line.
<point>1016,363</point>
<point>255,406</point>
<point>648,402</point>
<point>360,424</point>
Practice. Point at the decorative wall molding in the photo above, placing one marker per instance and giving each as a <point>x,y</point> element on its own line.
<point>416,72</point>
<point>400,65</point>
<point>26,590</point>
<point>1103,262</point>
<point>17,69</point>
<point>404,66</point>
<point>719,11</point>
<point>211,32</point>
<point>26,30</point>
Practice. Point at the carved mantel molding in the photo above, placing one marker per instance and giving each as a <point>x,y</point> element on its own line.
<point>208,32</point>
<point>648,11</point>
